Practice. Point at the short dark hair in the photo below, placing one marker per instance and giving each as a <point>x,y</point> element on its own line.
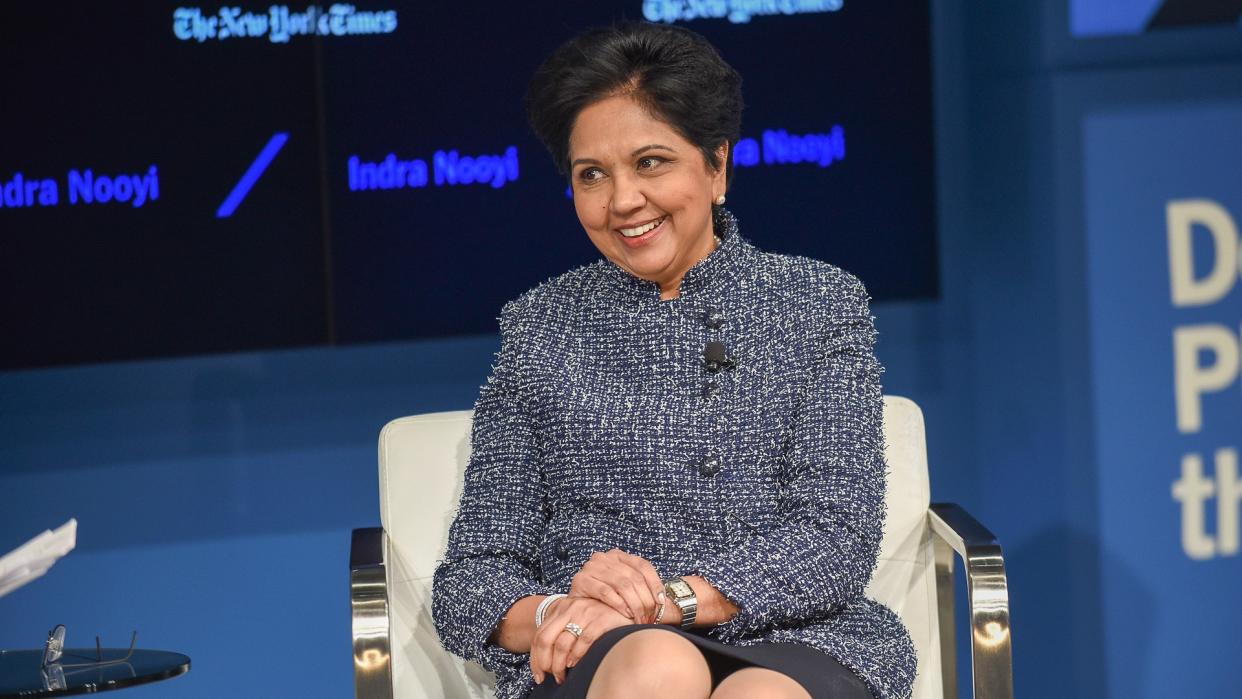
<point>672,72</point>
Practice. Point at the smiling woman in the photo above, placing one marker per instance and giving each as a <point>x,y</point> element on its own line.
<point>658,502</point>
<point>646,207</point>
<point>644,141</point>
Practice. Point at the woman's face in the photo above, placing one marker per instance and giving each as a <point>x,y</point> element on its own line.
<point>642,192</point>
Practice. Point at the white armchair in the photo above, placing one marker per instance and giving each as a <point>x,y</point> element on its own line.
<point>421,461</point>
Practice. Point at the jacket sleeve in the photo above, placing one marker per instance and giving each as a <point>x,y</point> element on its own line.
<point>831,509</point>
<point>492,556</point>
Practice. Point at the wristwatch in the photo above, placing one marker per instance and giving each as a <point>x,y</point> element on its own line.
<point>683,596</point>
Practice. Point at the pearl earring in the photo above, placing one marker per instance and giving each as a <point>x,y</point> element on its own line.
<point>720,200</point>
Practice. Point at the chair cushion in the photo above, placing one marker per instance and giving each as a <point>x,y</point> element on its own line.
<point>905,579</point>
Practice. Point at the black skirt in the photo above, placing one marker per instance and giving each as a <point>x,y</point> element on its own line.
<point>819,673</point>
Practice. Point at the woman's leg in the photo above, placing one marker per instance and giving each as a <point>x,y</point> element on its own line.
<point>759,683</point>
<point>652,664</point>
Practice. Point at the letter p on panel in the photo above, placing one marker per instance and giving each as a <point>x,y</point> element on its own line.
<point>1192,379</point>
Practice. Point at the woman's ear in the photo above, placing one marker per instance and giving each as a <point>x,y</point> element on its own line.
<point>720,178</point>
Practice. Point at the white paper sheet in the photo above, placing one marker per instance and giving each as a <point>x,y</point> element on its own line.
<point>33,558</point>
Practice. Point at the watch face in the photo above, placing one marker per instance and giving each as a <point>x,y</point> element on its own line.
<point>680,588</point>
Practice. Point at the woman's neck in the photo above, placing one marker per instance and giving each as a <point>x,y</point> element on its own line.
<point>672,289</point>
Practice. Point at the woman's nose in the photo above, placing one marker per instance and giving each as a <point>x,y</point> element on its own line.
<point>627,195</point>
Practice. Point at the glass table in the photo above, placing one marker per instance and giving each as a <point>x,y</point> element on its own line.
<point>85,670</point>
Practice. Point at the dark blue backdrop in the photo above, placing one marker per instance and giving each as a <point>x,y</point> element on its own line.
<point>211,184</point>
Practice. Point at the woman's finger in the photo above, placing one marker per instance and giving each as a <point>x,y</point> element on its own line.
<point>595,619</point>
<point>647,603</point>
<point>556,650</point>
<point>565,641</point>
<point>539,653</point>
<point>629,583</point>
<point>590,634</point>
<point>634,604</point>
<point>602,591</point>
<point>650,575</point>
<point>558,643</point>
<point>545,638</point>
<point>634,575</point>
<point>611,572</point>
<point>623,581</point>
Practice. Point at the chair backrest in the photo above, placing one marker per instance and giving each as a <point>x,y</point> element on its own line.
<point>421,463</point>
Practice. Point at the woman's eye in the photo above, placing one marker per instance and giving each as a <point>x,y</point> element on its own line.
<point>649,162</point>
<point>590,174</point>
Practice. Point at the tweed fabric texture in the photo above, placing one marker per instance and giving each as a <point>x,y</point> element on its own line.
<point>600,427</point>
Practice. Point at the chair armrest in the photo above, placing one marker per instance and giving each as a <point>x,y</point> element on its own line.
<point>988,593</point>
<point>368,601</point>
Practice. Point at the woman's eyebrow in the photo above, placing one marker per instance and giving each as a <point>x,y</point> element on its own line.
<point>636,153</point>
<point>652,146</point>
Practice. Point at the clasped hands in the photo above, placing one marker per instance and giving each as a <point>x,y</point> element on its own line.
<point>613,589</point>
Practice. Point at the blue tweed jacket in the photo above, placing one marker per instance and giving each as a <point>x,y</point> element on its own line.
<point>600,427</point>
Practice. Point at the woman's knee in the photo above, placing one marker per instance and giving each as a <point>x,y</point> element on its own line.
<point>759,683</point>
<point>652,663</point>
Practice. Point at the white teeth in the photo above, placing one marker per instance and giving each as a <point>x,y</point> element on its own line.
<point>635,232</point>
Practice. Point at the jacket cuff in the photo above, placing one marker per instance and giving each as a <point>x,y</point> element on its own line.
<point>743,591</point>
<point>491,655</point>
<point>466,623</point>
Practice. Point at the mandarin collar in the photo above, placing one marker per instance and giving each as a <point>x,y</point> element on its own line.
<point>720,265</point>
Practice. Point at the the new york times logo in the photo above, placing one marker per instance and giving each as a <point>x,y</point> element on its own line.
<point>736,11</point>
<point>279,23</point>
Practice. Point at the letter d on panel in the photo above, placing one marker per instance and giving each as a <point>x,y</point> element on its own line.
<point>1181,215</point>
<point>1190,380</point>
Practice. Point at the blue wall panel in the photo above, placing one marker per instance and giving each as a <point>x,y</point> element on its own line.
<point>1140,161</point>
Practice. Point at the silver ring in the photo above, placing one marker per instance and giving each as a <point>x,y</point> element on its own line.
<point>573,628</point>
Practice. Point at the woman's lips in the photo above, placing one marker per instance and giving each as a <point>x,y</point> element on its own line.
<point>645,238</point>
